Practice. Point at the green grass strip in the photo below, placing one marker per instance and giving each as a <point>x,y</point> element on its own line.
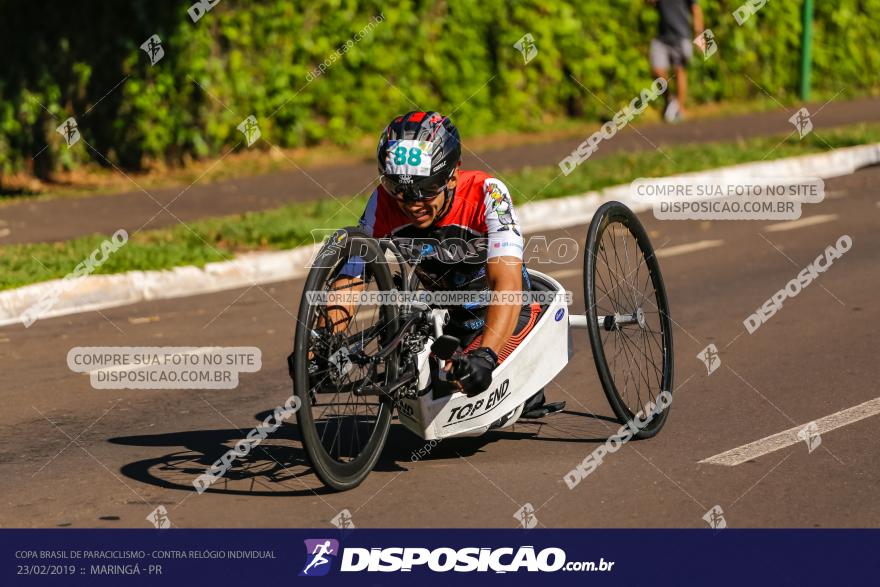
<point>219,239</point>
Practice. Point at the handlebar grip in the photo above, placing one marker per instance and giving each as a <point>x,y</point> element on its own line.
<point>445,347</point>
<point>460,366</point>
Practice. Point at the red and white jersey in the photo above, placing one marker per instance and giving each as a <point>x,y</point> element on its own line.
<point>451,254</point>
<point>481,209</point>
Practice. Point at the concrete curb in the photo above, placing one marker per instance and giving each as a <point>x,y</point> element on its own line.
<point>573,210</point>
<point>97,292</point>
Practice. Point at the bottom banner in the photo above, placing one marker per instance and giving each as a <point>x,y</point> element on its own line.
<point>391,557</point>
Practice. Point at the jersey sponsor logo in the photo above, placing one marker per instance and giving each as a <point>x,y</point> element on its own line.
<point>503,207</point>
<point>474,324</point>
<point>508,244</point>
<point>559,314</point>
<point>447,250</point>
<point>481,406</point>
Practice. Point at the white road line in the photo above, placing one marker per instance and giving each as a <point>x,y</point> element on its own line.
<point>665,252</point>
<point>688,248</point>
<point>759,448</point>
<point>800,223</point>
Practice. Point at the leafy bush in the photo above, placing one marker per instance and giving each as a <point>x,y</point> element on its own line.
<point>455,56</point>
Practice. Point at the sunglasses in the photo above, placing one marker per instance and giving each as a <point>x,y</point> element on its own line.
<point>411,193</point>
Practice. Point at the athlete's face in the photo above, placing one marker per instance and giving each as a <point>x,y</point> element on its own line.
<point>423,213</point>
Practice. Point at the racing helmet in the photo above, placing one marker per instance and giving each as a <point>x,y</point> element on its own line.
<point>418,153</point>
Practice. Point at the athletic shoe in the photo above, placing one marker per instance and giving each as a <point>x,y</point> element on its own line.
<point>672,112</point>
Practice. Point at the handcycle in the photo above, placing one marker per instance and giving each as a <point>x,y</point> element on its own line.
<point>389,356</point>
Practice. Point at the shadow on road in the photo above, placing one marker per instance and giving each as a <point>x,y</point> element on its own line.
<point>279,466</point>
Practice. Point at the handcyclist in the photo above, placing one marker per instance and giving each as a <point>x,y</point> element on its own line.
<point>429,206</point>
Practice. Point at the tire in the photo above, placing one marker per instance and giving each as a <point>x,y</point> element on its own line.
<point>631,287</point>
<point>341,469</point>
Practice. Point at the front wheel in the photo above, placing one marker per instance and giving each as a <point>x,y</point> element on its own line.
<point>628,319</point>
<point>337,370</point>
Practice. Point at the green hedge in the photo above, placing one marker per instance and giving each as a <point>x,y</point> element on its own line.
<point>456,56</point>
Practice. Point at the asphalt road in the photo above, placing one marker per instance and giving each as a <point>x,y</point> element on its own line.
<point>61,219</point>
<point>79,457</point>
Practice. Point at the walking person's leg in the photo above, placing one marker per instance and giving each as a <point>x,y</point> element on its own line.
<point>683,54</point>
<point>681,87</point>
<point>661,59</point>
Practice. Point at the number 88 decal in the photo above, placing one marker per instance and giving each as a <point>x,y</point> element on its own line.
<point>415,156</point>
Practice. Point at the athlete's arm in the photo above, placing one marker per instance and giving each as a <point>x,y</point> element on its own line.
<point>504,266</point>
<point>341,308</point>
<point>505,276</point>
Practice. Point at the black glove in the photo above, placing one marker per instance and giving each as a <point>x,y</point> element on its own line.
<point>474,370</point>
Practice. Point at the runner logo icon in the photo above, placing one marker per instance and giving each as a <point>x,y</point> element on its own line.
<point>320,553</point>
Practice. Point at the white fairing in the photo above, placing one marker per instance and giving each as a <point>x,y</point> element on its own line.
<point>531,366</point>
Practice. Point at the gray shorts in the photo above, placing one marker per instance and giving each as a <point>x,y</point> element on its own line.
<point>666,56</point>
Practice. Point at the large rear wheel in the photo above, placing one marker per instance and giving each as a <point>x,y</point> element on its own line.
<point>628,319</point>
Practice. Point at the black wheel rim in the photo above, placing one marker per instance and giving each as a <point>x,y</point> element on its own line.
<point>347,407</point>
<point>629,314</point>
